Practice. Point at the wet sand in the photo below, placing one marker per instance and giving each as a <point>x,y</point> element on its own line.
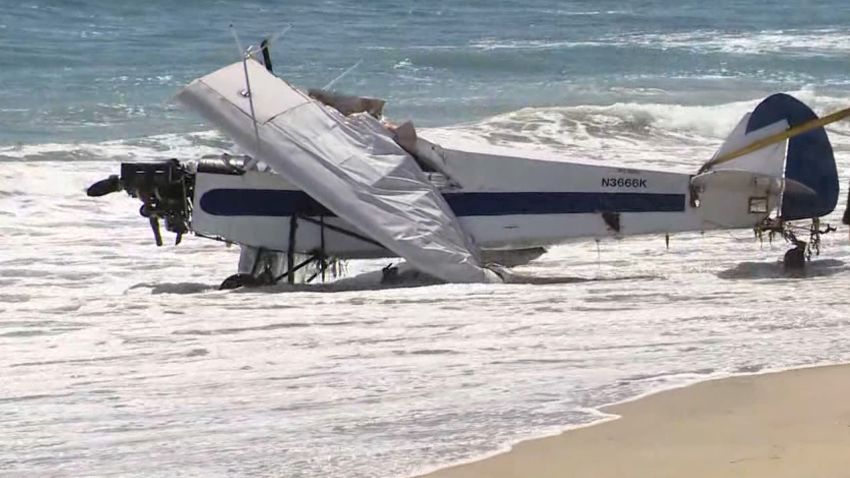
<point>788,424</point>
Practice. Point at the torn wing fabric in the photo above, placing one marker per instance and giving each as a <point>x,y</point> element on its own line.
<point>348,105</point>
<point>349,164</point>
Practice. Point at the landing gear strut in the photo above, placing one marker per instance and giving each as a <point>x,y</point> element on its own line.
<point>795,259</point>
<point>267,268</point>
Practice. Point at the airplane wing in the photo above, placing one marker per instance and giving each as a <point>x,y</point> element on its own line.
<point>350,164</point>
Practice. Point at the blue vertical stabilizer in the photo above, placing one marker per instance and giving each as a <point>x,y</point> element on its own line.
<point>809,161</point>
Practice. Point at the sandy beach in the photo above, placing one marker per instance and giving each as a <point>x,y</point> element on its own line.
<point>788,424</point>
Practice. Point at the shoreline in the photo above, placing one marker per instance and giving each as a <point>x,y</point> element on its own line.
<point>560,453</point>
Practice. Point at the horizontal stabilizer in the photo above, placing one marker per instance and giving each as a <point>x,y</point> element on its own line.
<point>731,179</point>
<point>796,187</point>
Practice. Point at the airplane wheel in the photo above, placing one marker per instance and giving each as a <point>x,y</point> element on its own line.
<point>795,259</point>
<point>239,280</point>
<point>389,275</point>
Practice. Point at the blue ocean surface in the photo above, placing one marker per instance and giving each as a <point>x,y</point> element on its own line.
<point>94,70</point>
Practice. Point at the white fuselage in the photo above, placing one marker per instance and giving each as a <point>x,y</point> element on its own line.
<point>502,202</point>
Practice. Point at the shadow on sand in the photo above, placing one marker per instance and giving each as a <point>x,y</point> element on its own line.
<point>372,281</point>
<point>175,287</point>
<point>776,270</point>
<point>541,280</point>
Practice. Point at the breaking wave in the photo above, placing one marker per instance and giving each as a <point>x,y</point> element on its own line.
<point>826,42</point>
<point>145,148</point>
<point>595,131</point>
<point>624,130</point>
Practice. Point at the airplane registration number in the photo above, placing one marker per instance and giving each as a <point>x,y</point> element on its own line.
<point>623,183</point>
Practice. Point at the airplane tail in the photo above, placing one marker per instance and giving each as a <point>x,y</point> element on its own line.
<point>780,154</point>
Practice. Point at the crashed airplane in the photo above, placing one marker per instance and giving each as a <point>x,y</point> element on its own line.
<point>325,176</point>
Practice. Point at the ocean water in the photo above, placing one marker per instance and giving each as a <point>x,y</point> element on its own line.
<point>118,358</point>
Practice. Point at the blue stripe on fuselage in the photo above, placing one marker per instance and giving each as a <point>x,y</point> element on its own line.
<point>283,203</point>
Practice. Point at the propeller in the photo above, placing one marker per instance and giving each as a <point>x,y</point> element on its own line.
<point>112,184</point>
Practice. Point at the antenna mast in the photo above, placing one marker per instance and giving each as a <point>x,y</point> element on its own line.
<point>245,54</point>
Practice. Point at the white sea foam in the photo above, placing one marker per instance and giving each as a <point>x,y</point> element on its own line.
<point>156,147</point>
<point>826,42</point>
<point>830,42</point>
<point>585,13</point>
<point>529,44</point>
<point>622,132</point>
